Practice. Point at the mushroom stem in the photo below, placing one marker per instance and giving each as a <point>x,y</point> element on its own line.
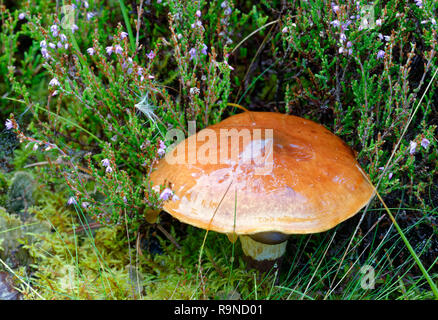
<point>262,256</point>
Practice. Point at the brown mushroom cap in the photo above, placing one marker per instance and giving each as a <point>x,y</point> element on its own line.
<point>315,182</point>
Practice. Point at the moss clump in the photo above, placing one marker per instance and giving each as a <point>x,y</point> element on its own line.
<point>20,194</point>
<point>14,235</point>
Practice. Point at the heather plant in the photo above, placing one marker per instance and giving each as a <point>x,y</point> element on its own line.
<point>89,90</point>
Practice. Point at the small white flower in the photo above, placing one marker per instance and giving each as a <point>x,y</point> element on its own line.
<point>108,169</point>
<point>54,82</point>
<point>52,45</point>
<point>74,28</point>
<point>90,51</point>
<point>21,16</point>
<point>43,44</point>
<point>123,35</point>
<point>63,37</point>
<point>198,13</point>
<point>194,91</point>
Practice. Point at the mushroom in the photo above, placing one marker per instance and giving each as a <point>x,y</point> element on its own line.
<point>298,178</point>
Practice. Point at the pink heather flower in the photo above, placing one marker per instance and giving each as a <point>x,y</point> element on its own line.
<point>335,8</point>
<point>380,54</point>
<point>55,30</point>
<point>151,55</point>
<point>166,194</point>
<point>90,15</point>
<point>63,37</point>
<point>71,201</point>
<point>162,149</point>
<point>9,124</point>
<point>379,22</point>
<point>54,82</point>
<point>74,28</point>
<point>52,45</point>
<point>45,53</point>
<point>390,176</point>
<point>342,37</point>
<point>419,3</point>
<point>192,53</point>
<point>86,4</point>
<point>109,169</point>
<point>284,30</point>
<point>344,26</point>
<point>204,49</point>
<point>90,51</point>
<point>433,21</point>
<point>198,13</point>
<point>21,16</point>
<point>349,44</point>
<point>118,49</point>
<point>350,52</point>
<point>231,68</point>
<point>425,143</point>
<point>341,50</point>
<point>66,46</point>
<point>412,147</point>
<point>335,23</point>
<point>224,4</point>
<point>85,204</point>
<point>227,11</point>
<point>43,44</point>
<point>123,35</point>
<point>105,162</point>
<point>59,44</point>
<point>109,50</point>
